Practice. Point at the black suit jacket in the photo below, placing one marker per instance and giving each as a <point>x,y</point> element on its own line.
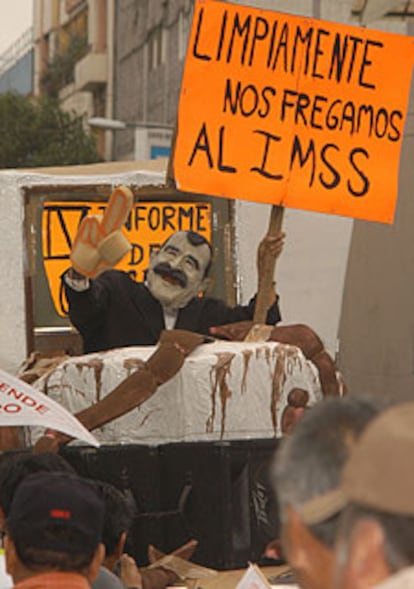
<point>116,311</point>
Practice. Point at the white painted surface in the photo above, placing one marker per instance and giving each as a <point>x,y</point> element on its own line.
<point>12,259</point>
<point>225,390</point>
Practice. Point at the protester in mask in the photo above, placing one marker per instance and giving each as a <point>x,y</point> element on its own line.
<point>112,310</point>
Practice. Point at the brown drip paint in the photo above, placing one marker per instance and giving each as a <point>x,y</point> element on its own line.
<point>46,385</point>
<point>47,388</point>
<point>293,359</point>
<point>247,354</point>
<point>267,353</point>
<point>59,388</point>
<point>218,376</point>
<point>97,366</point>
<point>146,417</point>
<point>278,381</point>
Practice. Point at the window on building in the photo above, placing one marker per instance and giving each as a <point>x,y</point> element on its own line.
<point>75,28</point>
<point>157,47</point>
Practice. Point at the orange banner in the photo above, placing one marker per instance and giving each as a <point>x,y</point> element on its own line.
<point>293,111</point>
<point>148,225</point>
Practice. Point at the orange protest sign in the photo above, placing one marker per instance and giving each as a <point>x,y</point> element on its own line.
<point>293,111</point>
<point>148,225</point>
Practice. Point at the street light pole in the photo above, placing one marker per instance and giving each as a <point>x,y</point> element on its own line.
<point>151,139</point>
<point>106,124</point>
<point>114,124</point>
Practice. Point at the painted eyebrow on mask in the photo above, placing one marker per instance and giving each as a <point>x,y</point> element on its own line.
<point>172,249</point>
<point>195,261</point>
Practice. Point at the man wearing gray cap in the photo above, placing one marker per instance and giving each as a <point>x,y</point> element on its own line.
<point>308,464</point>
<point>375,544</point>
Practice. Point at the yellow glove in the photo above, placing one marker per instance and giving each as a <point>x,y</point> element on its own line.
<point>99,243</point>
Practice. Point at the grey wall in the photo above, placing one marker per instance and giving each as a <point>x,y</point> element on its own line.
<point>377,324</point>
<point>142,93</point>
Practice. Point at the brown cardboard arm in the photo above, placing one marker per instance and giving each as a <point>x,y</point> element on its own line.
<point>157,578</point>
<point>185,551</point>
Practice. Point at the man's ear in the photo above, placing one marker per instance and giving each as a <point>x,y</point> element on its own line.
<point>293,537</point>
<point>302,544</point>
<point>311,560</point>
<point>366,558</point>
<point>96,563</point>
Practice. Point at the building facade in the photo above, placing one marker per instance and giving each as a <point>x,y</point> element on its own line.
<point>150,45</point>
<point>123,59</point>
<point>73,51</point>
<point>150,38</point>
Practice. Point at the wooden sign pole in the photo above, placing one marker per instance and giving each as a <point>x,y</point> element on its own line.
<point>267,269</point>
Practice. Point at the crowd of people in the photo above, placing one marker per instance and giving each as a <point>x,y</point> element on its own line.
<point>60,529</point>
<point>63,530</point>
<point>343,482</point>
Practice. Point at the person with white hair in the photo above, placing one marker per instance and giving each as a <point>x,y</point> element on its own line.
<point>375,542</point>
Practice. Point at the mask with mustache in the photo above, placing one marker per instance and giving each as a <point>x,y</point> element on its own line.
<point>176,272</point>
<point>170,274</point>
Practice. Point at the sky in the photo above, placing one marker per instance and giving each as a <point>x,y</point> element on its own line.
<point>15,19</point>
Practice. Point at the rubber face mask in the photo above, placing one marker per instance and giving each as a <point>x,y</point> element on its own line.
<point>176,273</point>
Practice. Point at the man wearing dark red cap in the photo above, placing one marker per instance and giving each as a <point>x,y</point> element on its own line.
<point>54,529</point>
